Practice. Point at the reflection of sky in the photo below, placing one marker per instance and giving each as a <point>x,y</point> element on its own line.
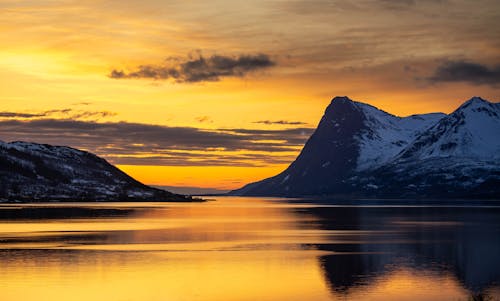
<point>248,249</point>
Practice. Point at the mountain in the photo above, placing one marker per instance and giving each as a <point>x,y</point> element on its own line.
<point>41,172</point>
<point>360,151</point>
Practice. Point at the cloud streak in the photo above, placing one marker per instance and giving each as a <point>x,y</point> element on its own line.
<point>280,122</point>
<point>15,115</point>
<point>146,144</point>
<point>200,69</point>
<point>406,4</point>
<point>464,71</point>
<point>204,119</point>
<point>62,113</point>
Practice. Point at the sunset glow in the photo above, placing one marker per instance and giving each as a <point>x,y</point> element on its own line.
<point>219,94</point>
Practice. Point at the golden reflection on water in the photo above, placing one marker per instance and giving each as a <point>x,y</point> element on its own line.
<point>230,249</point>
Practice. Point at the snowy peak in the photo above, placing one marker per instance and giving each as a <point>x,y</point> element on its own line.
<point>340,106</point>
<point>475,101</point>
<point>481,106</point>
<point>344,105</point>
<point>472,132</point>
<point>341,100</point>
<point>361,150</point>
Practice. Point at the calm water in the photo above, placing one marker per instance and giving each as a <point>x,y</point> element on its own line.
<point>250,249</point>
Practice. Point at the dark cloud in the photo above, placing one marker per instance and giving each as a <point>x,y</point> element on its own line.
<point>199,69</point>
<point>146,144</point>
<point>406,4</point>
<point>91,114</point>
<point>64,113</point>
<point>173,159</point>
<point>331,7</point>
<point>15,115</point>
<point>463,71</point>
<point>294,136</point>
<point>285,122</point>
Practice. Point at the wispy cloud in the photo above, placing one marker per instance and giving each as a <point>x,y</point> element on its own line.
<point>146,144</point>
<point>199,69</point>
<point>281,122</point>
<point>60,113</point>
<point>465,71</point>
<point>202,119</point>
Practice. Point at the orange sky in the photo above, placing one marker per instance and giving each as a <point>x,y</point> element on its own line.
<point>243,81</point>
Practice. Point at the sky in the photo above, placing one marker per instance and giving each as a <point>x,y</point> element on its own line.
<point>221,93</point>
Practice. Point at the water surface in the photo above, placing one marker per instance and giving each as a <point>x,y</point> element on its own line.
<point>251,249</point>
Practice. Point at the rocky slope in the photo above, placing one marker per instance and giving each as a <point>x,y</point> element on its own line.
<point>40,172</point>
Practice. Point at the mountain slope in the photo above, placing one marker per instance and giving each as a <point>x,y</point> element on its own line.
<point>40,172</point>
<point>359,150</point>
<point>327,157</point>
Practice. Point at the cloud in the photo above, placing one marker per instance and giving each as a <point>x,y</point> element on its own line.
<point>204,119</point>
<point>91,114</point>
<point>62,113</point>
<point>284,122</point>
<point>82,103</point>
<point>352,8</point>
<point>406,4</point>
<point>292,137</point>
<point>15,115</point>
<point>191,70</point>
<point>463,71</point>
<point>147,144</point>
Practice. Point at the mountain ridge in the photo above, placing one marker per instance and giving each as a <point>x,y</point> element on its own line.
<point>360,150</point>
<point>40,172</point>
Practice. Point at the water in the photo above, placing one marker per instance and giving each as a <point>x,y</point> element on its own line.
<point>251,249</point>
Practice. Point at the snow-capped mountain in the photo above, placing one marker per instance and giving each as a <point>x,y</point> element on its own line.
<point>359,150</point>
<point>471,131</point>
<point>40,172</point>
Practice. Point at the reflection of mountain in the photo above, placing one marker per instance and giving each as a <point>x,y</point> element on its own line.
<point>464,241</point>
<point>359,150</point>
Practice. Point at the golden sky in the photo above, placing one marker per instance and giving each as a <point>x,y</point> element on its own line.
<point>221,93</point>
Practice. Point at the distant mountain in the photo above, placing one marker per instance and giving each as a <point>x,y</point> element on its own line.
<point>193,191</point>
<point>40,172</point>
<point>358,150</point>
